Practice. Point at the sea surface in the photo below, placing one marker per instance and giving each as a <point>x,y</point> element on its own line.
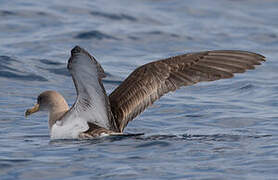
<point>227,129</point>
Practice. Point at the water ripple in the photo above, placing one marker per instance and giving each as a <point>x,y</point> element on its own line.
<point>8,70</point>
<point>114,16</point>
<point>7,13</point>
<point>94,35</point>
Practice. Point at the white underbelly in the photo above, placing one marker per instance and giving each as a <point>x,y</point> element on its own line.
<point>68,130</point>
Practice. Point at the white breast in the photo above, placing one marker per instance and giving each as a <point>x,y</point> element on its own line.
<point>68,129</point>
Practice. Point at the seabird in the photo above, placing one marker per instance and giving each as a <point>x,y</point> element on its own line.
<point>94,113</point>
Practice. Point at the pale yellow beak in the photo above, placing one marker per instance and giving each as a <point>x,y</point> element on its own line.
<point>32,110</point>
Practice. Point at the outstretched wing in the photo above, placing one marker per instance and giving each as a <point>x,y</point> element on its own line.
<point>150,81</point>
<point>92,103</point>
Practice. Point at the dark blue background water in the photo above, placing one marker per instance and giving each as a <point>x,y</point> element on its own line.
<point>226,129</point>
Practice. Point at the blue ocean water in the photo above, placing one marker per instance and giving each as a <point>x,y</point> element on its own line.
<point>226,129</point>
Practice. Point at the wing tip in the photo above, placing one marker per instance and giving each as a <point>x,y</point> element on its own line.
<point>76,49</point>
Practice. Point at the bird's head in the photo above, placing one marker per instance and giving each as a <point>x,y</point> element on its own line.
<point>46,101</point>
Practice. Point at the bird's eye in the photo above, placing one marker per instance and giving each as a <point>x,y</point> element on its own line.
<point>39,99</point>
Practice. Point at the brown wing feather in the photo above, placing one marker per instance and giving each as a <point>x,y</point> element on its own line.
<point>150,81</point>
